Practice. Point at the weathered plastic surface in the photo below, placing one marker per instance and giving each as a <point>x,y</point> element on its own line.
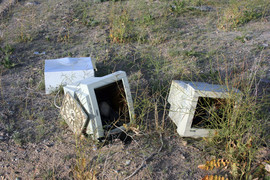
<point>73,114</point>
<point>84,92</point>
<point>183,98</point>
<point>66,71</point>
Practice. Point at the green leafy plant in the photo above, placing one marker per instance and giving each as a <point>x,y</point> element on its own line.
<point>6,52</point>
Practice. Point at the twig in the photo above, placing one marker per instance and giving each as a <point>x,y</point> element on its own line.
<point>105,163</point>
<point>34,91</point>
<point>146,159</point>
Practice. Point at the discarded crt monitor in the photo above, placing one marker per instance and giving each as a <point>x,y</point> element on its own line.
<point>190,103</point>
<point>66,71</point>
<point>107,102</point>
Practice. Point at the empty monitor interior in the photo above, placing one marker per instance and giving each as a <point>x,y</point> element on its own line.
<point>209,112</point>
<point>112,104</point>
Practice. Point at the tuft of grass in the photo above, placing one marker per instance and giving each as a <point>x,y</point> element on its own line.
<point>81,13</point>
<point>178,7</point>
<point>81,171</point>
<point>41,85</point>
<point>18,138</point>
<point>23,38</point>
<point>147,20</point>
<point>1,37</point>
<point>241,126</point>
<point>49,174</point>
<point>192,53</point>
<point>26,25</point>
<point>121,27</point>
<point>241,12</point>
<point>184,6</point>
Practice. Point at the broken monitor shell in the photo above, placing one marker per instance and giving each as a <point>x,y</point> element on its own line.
<point>67,70</point>
<point>106,100</point>
<point>190,103</point>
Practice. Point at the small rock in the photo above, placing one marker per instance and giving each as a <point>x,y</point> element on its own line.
<point>18,178</point>
<point>39,53</point>
<point>38,150</point>
<point>265,45</point>
<point>3,116</point>
<point>182,156</point>
<point>184,143</point>
<point>248,37</point>
<point>21,149</point>
<point>50,145</point>
<point>204,8</point>
<point>213,157</point>
<point>117,171</point>
<point>265,80</point>
<point>32,3</point>
<point>2,138</point>
<point>127,162</point>
<point>266,166</point>
<point>94,147</point>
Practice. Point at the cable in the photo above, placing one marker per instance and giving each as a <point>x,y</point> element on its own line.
<point>55,100</point>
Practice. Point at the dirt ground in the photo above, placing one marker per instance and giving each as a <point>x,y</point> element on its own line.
<point>35,143</point>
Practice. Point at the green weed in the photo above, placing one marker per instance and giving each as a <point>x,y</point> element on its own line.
<point>241,38</point>
<point>184,6</point>
<point>147,20</point>
<point>41,85</point>
<point>6,52</point>
<point>178,7</point>
<point>40,133</point>
<point>18,138</point>
<point>192,53</point>
<point>1,36</point>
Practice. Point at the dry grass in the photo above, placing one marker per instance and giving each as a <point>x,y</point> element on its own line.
<point>154,42</point>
